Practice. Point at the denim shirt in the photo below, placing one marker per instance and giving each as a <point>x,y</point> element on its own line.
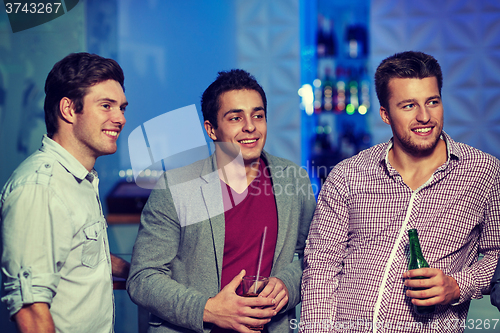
<point>55,246</point>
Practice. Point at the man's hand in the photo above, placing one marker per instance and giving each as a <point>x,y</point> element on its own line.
<point>119,267</point>
<point>34,318</point>
<point>276,289</point>
<point>228,310</point>
<point>439,288</point>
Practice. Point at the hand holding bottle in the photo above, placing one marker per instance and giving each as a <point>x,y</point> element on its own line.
<point>437,288</point>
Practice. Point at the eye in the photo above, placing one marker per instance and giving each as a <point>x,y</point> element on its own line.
<point>106,106</point>
<point>122,109</point>
<point>408,106</point>
<point>434,102</point>
<point>259,116</point>
<point>235,118</point>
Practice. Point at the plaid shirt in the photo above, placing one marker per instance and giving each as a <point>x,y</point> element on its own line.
<point>357,247</point>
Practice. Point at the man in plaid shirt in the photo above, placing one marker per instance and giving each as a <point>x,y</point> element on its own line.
<point>356,277</point>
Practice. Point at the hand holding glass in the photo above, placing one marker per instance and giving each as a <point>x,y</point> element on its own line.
<point>252,286</point>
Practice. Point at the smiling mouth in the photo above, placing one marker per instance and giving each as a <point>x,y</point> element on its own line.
<point>422,130</point>
<point>111,133</point>
<point>248,141</point>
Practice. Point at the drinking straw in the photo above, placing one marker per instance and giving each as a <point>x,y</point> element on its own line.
<point>260,257</point>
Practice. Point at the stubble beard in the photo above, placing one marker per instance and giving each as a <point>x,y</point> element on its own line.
<point>415,149</point>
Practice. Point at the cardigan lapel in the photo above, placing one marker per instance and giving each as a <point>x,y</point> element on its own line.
<point>212,196</point>
<point>280,183</point>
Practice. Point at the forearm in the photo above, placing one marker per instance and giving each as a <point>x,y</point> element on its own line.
<point>34,318</point>
<point>291,276</point>
<point>120,268</point>
<point>324,254</point>
<point>474,281</point>
<point>167,299</point>
<point>319,304</point>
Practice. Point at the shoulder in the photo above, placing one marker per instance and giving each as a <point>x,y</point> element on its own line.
<point>279,164</point>
<point>476,160</point>
<point>37,168</point>
<point>275,161</point>
<point>365,160</point>
<point>186,173</point>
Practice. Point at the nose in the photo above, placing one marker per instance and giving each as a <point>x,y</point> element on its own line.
<point>423,115</point>
<point>249,126</point>
<point>119,118</point>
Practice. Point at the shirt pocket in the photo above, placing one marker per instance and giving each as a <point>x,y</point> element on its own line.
<point>92,246</point>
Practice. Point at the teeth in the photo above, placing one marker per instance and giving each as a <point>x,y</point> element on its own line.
<point>248,141</point>
<point>422,130</point>
<point>112,133</point>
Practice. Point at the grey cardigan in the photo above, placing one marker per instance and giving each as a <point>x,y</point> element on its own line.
<point>177,258</point>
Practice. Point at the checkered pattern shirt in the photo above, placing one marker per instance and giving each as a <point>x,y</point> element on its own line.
<point>357,247</point>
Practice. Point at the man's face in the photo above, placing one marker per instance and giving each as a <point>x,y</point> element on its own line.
<point>98,125</point>
<point>241,121</point>
<point>415,114</point>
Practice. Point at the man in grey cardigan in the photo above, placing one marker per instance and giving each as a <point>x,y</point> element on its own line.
<point>204,224</point>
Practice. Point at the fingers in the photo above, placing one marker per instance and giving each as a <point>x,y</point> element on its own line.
<point>254,302</point>
<point>269,289</point>
<point>435,288</point>
<point>235,282</point>
<point>246,325</point>
<point>282,300</point>
<point>276,290</point>
<point>425,272</point>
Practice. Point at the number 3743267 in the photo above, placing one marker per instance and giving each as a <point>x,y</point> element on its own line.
<point>474,324</point>
<point>32,7</point>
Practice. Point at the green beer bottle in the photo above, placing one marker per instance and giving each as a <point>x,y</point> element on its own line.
<point>417,261</point>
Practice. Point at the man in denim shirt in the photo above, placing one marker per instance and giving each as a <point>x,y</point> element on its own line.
<point>56,263</point>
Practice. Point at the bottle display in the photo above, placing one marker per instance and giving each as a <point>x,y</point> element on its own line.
<point>337,85</point>
<point>417,260</point>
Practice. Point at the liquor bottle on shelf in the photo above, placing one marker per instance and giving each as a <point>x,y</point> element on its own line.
<point>356,41</point>
<point>417,260</point>
<point>342,94</point>
<point>326,47</point>
<point>364,92</point>
<point>329,92</point>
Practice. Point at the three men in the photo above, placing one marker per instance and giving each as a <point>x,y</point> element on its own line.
<point>202,227</point>
<point>56,263</point>
<point>355,276</point>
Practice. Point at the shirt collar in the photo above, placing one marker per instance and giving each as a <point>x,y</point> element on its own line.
<point>452,148</point>
<point>68,161</point>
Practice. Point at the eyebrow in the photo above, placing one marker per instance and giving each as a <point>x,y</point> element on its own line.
<point>110,100</point>
<point>412,100</point>
<point>258,108</point>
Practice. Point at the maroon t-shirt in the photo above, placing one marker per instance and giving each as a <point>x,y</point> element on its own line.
<point>246,215</point>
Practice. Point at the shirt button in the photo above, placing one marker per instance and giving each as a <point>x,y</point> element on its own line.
<point>47,165</point>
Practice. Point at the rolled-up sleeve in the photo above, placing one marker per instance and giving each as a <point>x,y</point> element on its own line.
<point>34,247</point>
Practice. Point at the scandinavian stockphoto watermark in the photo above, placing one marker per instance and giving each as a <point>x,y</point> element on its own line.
<point>439,325</point>
<point>170,151</point>
<point>28,14</point>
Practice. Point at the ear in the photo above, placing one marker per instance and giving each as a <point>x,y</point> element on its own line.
<point>67,109</point>
<point>210,130</point>
<point>384,114</point>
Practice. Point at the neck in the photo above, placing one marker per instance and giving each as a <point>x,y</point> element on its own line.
<point>235,172</point>
<point>403,160</point>
<point>416,170</point>
<point>67,142</point>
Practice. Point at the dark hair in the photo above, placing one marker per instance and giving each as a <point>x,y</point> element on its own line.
<point>235,79</point>
<point>72,77</point>
<point>408,64</point>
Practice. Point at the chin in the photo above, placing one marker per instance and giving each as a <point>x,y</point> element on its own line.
<point>251,159</point>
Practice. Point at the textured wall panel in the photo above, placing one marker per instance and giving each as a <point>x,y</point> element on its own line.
<point>464,36</point>
<point>268,47</point>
